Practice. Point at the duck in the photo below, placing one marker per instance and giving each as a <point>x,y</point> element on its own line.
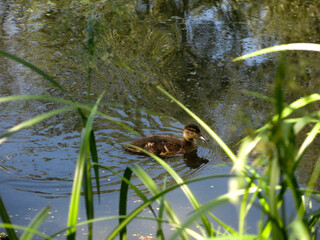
<point>161,145</point>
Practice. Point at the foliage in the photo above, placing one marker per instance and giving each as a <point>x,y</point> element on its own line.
<point>273,147</point>
<point>284,47</point>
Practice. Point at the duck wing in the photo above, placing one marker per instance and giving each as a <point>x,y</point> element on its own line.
<point>158,145</point>
<point>166,146</point>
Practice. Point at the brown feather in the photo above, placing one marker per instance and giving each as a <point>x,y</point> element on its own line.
<point>161,145</point>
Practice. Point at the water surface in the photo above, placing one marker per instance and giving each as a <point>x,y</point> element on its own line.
<point>186,48</point>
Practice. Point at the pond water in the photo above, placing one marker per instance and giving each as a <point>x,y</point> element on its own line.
<point>184,46</point>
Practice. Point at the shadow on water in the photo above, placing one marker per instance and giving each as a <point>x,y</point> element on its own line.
<point>193,161</point>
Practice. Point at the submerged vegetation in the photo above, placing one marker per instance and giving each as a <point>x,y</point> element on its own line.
<point>263,173</point>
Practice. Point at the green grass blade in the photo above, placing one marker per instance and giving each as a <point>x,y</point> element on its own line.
<point>76,188</point>
<point>314,132</point>
<point>35,69</point>
<point>236,237</point>
<point>194,202</point>
<point>284,47</point>
<point>62,231</point>
<point>79,173</point>
<point>134,187</point>
<point>5,219</point>
<point>29,97</point>
<point>35,224</point>
<point>277,224</point>
<point>314,219</point>
<point>131,216</point>
<point>299,231</point>
<point>300,103</point>
<point>225,226</point>
<point>33,121</point>
<point>123,201</point>
<point>68,102</point>
<point>315,215</point>
<point>100,219</point>
<point>88,195</point>
<point>26,229</point>
<point>207,128</point>
<point>121,63</point>
<point>222,144</point>
<point>246,206</point>
<point>90,47</point>
<point>315,175</point>
<point>126,180</point>
<point>259,95</point>
<point>95,161</point>
<point>148,202</point>
<point>153,188</point>
<point>226,198</point>
<point>245,149</point>
<point>160,235</point>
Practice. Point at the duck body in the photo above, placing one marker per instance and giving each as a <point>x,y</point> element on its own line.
<point>162,145</point>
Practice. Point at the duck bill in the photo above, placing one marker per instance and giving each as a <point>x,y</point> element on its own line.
<point>202,138</point>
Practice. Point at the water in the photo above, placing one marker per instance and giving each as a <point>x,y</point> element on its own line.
<point>187,49</point>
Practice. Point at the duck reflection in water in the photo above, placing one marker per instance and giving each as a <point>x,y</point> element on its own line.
<point>161,145</point>
<point>192,159</point>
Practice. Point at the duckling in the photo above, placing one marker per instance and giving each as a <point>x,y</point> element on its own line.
<point>161,145</point>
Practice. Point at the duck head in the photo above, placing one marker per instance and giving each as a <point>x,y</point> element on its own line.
<point>192,131</point>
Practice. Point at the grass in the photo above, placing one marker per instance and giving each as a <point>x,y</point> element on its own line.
<point>273,146</point>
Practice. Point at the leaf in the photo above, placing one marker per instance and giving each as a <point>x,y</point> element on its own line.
<point>35,69</point>
<point>64,101</point>
<point>33,121</point>
<point>196,205</point>
<point>148,202</point>
<point>123,201</point>
<point>284,47</point>
<point>79,173</point>
<point>222,144</point>
<point>153,188</point>
<point>5,219</point>
<point>94,157</point>
<point>35,224</point>
<point>226,198</point>
<point>314,132</point>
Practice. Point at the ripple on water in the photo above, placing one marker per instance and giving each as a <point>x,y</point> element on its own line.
<point>112,154</point>
<point>44,164</point>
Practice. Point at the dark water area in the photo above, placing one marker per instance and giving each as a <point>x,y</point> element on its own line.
<point>187,47</point>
